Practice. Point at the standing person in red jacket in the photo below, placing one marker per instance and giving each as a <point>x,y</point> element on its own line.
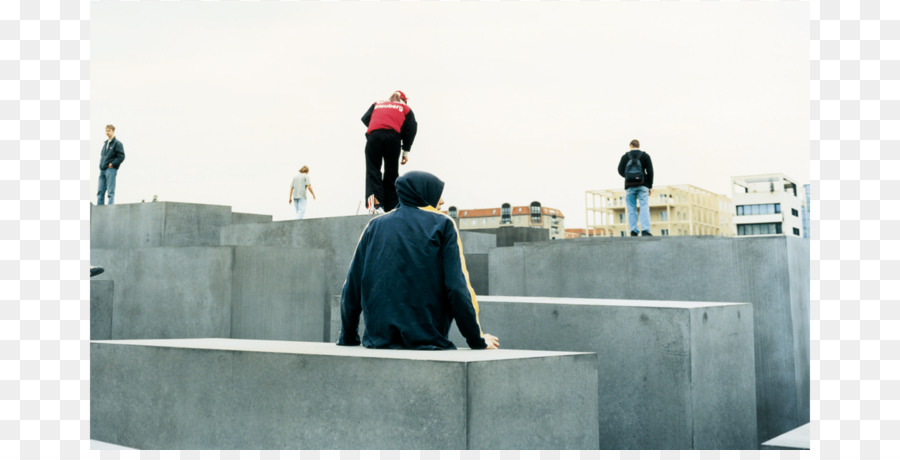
<point>391,130</point>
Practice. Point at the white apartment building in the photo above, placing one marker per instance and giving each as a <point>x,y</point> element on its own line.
<point>767,204</point>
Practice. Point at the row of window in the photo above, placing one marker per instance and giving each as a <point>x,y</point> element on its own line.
<point>742,210</point>
<point>662,232</point>
<point>763,229</point>
<point>473,222</point>
<point>759,229</point>
<point>757,209</point>
<point>663,216</point>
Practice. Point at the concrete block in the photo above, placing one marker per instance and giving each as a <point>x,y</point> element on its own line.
<point>334,318</point>
<point>101,309</point>
<point>477,242</point>
<point>242,394</point>
<point>771,273</point>
<point>509,236</point>
<point>673,375</point>
<point>246,218</point>
<point>336,236</point>
<point>169,292</point>
<point>139,225</point>
<point>477,266</point>
<point>279,294</point>
<point>798,270</point>
<point>796,439</point>
<point>243,292</point>
<point>475,249</point>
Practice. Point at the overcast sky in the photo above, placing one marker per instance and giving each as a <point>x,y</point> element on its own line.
<point>222,102</point>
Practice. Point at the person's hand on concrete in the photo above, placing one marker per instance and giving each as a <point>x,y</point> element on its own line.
<point>492,341</point>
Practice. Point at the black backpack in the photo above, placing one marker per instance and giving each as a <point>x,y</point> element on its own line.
<point>634,170</point>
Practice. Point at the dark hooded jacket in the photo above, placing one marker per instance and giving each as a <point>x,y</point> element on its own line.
<point>408,276</point>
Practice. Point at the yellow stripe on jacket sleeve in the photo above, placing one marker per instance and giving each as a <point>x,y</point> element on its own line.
<point>462,259</point>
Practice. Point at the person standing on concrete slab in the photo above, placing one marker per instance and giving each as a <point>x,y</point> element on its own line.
<point>637,169</point>
<point>408,277</point>
<point>391,130</point>
<point>299,186</point>
<point>111,157</point>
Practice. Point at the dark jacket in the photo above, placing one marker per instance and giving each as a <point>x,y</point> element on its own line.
<point>646,163</point>
<point>112,152</point>
<point>408,276</point>
<point>401,122</point>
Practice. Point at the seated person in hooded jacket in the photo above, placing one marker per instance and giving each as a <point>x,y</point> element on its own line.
<point>408,277</point>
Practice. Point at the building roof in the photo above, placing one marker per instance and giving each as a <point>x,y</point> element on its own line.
<point>763,178</point>
<point>515,210</point>
<point>659,189</point>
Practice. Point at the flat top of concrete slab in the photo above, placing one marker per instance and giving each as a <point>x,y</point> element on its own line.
<point>798,438</point>
<point>304,221</point>
<point>670,238</point>
<point>604,302</point>
<point>330,349</point>
<point>100,445</point>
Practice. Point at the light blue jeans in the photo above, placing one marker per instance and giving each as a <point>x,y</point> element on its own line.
<point>107,185</point>
<point>632,196</point>
<point>300,207</point>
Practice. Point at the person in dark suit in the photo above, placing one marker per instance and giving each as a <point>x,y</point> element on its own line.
<point>111,157</point>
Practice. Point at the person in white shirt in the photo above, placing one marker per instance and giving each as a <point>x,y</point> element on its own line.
<point>299,186</point>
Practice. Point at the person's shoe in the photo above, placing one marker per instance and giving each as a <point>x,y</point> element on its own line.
<point>96,270</point>
<point>378,210</point>
<point>646,233</point>
<point>634,233</point>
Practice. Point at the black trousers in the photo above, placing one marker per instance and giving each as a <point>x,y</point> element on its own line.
<point>383,145</point>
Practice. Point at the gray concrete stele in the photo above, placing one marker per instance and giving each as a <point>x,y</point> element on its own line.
<point>770,272</point>
<point>673,375</point>
<point>249,394</point>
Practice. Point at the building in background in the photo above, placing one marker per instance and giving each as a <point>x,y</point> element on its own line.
<point>767,204</point>
<point>675,210</point>
<point>806,213</point>
<point>572,233</point>
<point>531,216</point>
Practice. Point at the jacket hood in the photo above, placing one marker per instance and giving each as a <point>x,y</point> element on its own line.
<point>419,188</point>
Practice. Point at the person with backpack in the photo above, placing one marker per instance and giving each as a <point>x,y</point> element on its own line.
<point>637,169</point>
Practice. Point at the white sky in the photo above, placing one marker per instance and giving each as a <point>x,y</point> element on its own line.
<point>222,102</point>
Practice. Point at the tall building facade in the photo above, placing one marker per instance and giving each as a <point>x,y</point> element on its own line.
<point>533,215</point>
<point>806,213</point>
<point>674,210</point>
<point>768,204</point>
